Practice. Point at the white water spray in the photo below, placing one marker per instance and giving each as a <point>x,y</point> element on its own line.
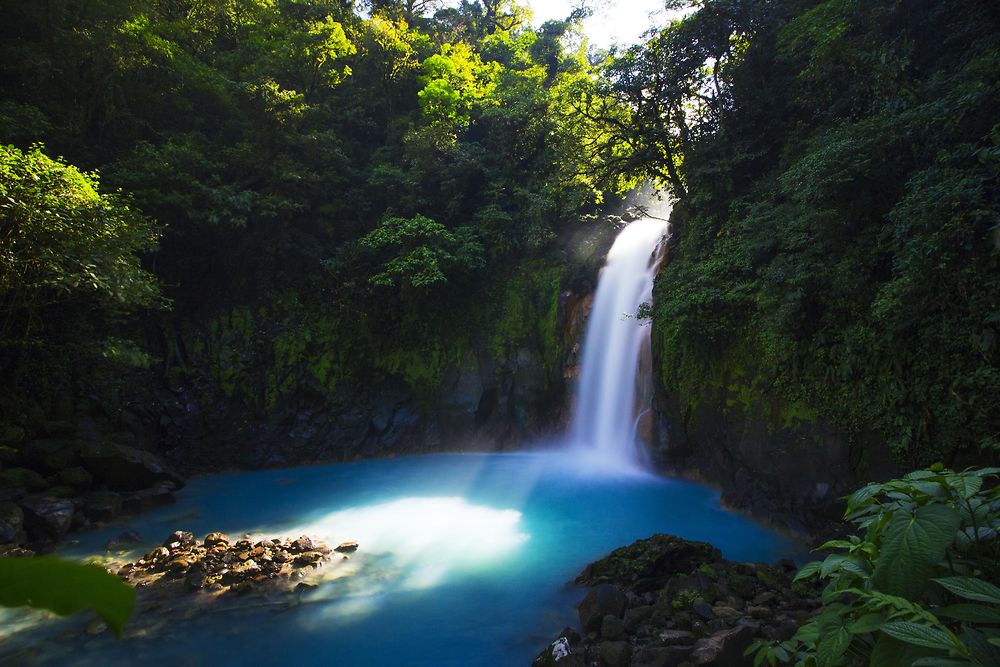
<point>604,426</point>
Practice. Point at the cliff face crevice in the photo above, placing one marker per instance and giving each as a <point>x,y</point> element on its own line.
<point>764,458</point>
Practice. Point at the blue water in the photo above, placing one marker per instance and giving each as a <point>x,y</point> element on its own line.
<point>465,560</point>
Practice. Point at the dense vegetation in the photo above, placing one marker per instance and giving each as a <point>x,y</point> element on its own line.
<point>835,252</point>
<point>914,588</point>
<point>345,193</point>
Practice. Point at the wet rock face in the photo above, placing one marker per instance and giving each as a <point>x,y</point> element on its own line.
<point>59,482</point>
<point>48,515</point>
<point>217,564</point>
<point>668,602</point>
<point>127,468</point>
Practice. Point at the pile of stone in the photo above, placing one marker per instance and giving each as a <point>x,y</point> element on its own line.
<point>217,564</point>
<point>668,602</point>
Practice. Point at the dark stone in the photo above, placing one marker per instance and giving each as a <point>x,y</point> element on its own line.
<point>615,654</point>
<point>612,628</point>
<point>12,514</point>
<point>724,648</point>
<point>22,478</point>
<point>126,468</point>
<point>650,561</point>
<point>703,609</point>
<point>58,428</point>
<point>102,505</point>
<point>52,455</point>
<point>9,455</point>
<point>346,547</point>
<point>682,637</point>
<point>661,656</point>
<point>637,616</point>
<point>11,433</point>
<point>47,516</point>
<point>160,495</point>
<point>601,601</point>
<point>8,533</point>
<point>75,477</point>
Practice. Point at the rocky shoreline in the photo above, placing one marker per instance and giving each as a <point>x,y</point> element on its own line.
<point>668,602</point>
<point>50,487</point>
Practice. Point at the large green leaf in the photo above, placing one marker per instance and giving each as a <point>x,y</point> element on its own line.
<point>966,485</point>
<point>919,635</point>
<point>914,542</point>
<point>971,613</point>
<point>867,623</point>
<point>65,587</point>
<point>971,588</point>
<point>832,646</point>
<point>808,570</point>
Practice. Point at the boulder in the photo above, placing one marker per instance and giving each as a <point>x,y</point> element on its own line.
<point>160,495</point>
<point>9,455</point>
<point>11,514</point>
<point>11,433</point>
<point>7,532</point>
<point>76,477</point>
<point>615,654</point>
<point>125,468</point>
<point>603,600</point>
<point>652,560</point>
<point>102,505</point>
<point>47,516</point>
<point>18,481</point>
<point>612,628</point>
<point>51,455</point>
<point>661,656</point>
<point>724,648</point>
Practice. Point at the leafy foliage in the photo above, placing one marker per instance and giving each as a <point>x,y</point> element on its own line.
<point>915,589</point>
<point>835,239</point>
<point>385,171</point>
<point>65,587</point>
<point>62,243</point>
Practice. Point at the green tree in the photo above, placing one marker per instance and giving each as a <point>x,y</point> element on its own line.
<point>63,242</point>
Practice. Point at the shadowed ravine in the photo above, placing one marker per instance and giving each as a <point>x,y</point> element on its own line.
<point>463,559</point>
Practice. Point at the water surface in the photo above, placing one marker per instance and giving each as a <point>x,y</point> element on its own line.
<point>464,560</point>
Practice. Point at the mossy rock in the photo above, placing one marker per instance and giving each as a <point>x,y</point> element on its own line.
<point>22,478</point>
<point>12,514</point>
<point>9,455</point>
<point>11,433</point>
<point>655,559</point>
<point>742,585</point>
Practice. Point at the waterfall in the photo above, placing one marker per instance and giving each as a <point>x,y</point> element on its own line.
<point>610,383</point>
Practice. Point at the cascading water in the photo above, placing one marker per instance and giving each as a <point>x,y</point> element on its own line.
<point>604,426</point>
